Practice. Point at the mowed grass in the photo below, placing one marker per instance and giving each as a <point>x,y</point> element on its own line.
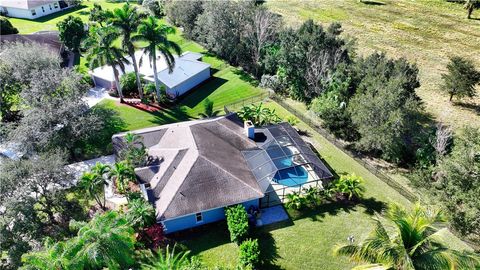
<point>308,240</point>
<point>427,32</point>
<point>49,22</point>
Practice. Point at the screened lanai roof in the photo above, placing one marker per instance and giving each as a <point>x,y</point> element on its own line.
<point>281,149</point>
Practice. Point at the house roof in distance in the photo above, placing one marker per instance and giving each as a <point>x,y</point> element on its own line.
<point>24,4</point>
<point>201,166</point>
<point>47,38</point>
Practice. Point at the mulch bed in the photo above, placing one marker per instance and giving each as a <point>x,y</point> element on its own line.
<point>142,106</point>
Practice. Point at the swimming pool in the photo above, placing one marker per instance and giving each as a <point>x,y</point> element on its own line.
<point>292,176</point>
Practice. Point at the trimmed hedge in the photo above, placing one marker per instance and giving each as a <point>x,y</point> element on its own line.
<point>237,221</point>
<point>249,254</point>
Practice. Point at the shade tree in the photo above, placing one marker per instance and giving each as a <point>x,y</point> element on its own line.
<point>34,204</point>
<point>19,64</point>
<point>71,32</point>
<point>54,114</point>
<point>385,109</point>
<point>461,78</point>
<point>184,14</point>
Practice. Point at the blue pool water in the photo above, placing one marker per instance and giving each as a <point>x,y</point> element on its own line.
<point>291,177</point>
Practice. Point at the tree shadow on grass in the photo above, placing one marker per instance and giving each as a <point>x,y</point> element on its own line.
<point>332,208</point>
<point>244,76</point>
<point>170,115</point>
<point>469,106</point>
<point>204,237</point>
<point>268,250</point>
<point>201,92</point>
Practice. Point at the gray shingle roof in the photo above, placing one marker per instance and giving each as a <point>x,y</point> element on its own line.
<point>207,164</point>
<point>202,166</point>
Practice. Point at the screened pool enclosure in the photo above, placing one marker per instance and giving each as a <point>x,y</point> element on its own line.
<point>283,158</point>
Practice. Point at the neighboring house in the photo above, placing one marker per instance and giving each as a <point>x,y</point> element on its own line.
<point>30,9</point>
<point>189,71</point>
<point>49,39</point>
<point>203,166</point>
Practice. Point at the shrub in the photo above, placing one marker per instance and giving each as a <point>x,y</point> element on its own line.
<point>153,236</point>
<point>259,115</point>
<point>128,82</point>
<point>249,253</point>
<point>6,27</point>
<point>237,221</point>
<point>272,82</point>
<point>150,93</point>
<point>154,7</point>
<point>295,201</point>
<point>292,120</point>
<point>351,186</point>
<point>140,214</point>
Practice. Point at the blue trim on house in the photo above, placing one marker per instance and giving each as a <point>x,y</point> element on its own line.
<point>209,216</point>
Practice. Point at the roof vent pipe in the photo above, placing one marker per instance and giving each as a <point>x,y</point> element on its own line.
<point>249,129</point>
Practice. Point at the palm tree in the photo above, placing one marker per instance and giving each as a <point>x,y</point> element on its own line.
<point>55,256</point>
<point>121,174</point>
<point>208,109</point>
<point>351,186</point>
<point>102,51</point>
<point>413,244</point>
<point>127,19</point>
<point>168,261</point>
<point>140,214</point>
<point>105,241</point>
<point>94,184</point>
<point>155,34</point>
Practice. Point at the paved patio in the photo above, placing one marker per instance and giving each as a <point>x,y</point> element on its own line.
<point>272,215</point>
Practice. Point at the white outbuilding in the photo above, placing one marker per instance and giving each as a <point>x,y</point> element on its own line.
<point>188,72</point>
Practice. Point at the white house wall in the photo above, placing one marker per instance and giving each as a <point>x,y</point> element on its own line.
<point>190,83</point>
<point>27,14</point>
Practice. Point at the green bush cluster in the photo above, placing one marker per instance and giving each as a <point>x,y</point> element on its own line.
<point>349,187</point>
<point>249,253</point>
<point>237,221</point>
<point>6,27</point>
<point>128,82</point>
<point>259,115</point>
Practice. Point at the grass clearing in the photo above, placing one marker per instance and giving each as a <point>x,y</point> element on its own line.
<point>424,31</point>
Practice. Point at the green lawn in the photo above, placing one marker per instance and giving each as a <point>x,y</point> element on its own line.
<point>424,31</point>
<point>49,22</point>
<point>307,241</point>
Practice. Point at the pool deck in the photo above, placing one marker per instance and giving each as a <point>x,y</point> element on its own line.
<point>272,215</point>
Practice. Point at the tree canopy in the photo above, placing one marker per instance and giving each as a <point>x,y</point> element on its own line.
<point>71,32</point>
<point>385,108</point>
<point>461,78</point>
